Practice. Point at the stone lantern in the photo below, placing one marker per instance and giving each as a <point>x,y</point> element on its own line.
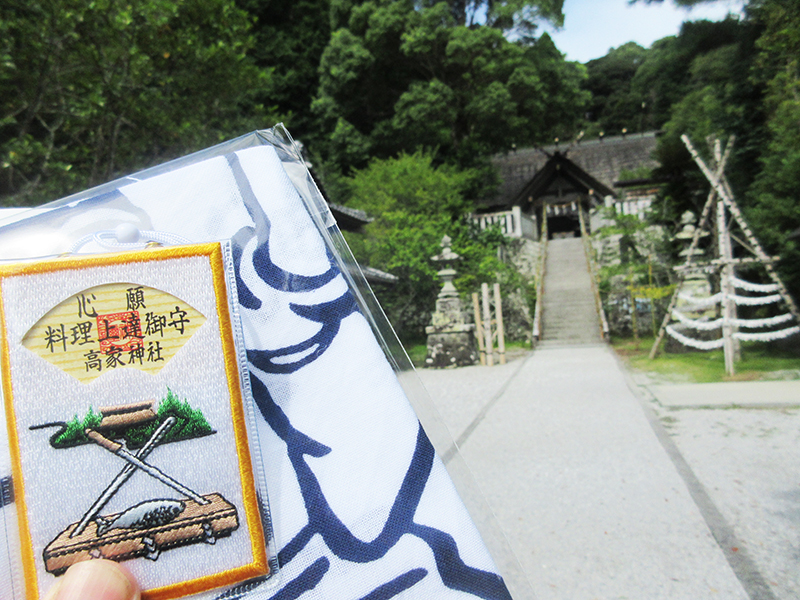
<point>687,232</point>
<point>451,341</point>
<point>696,282</point>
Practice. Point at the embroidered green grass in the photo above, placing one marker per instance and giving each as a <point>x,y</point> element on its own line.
<point>190,423</point>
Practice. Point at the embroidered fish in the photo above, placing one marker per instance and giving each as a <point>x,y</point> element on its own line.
<point>151,513</point>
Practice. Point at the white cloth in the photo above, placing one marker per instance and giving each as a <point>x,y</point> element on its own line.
<point>361,505</point>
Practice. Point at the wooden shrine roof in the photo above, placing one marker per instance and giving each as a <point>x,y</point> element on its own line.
<point>559,171</point>
<point>603,160</point>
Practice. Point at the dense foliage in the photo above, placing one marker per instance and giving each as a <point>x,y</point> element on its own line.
<point>396,76</point>
<point>716,98</point>
<point>89,90</point>
<point>614,104</point>
<point>415,205</point>
<point>773,195</point>
<point>401,103</point>
<point>289,38</point>
<point>638,89</point>
<point>736,77</point>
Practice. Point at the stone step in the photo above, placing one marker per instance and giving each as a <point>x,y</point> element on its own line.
<point>567,306</point>
<point>569,313</point>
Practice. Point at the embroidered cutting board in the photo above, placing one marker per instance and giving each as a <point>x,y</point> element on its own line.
<point>127,423</point>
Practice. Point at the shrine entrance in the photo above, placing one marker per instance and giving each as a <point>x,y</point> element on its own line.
<point>563,227</point>
<point>562,220</point>
<point>558,191</point>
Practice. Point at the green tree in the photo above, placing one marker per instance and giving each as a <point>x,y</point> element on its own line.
<point>686,3</point>
<point>290,36</point>
<point>742,78</point>
<point>414,204</point>
<point>396,76</point>
<point>665,76</point>
<point>520,16</point>
<point>709,96</point>
<point>614,104</point>
<point>89,90</point>
<point>507,15</point>
<point>774,193</point>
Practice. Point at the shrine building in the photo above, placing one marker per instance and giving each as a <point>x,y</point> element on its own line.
<point>551,183</point>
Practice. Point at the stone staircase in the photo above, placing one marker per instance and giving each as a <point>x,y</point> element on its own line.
<point>569,314</point>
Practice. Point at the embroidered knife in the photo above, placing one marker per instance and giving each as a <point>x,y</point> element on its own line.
<point>123,475</point>
<point>116,448</point>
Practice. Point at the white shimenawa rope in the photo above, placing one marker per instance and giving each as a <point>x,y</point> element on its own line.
<point>755,300</point>
<point>696,304</point>
<point>696,323</point>
<point>717,323</point>
<point>700,345</point>
<point>766,322</point>
<point>699,303</point>
<point>754,287</point>
<point>767,336</point>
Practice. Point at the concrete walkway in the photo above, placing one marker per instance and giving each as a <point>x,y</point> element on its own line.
<point>585,482</point>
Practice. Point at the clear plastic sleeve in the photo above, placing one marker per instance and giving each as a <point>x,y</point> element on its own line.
<point>361,503</point>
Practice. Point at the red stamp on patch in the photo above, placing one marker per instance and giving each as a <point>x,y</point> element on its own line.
<point>119,332</point>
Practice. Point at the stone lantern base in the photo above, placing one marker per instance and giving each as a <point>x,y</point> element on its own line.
<point>452,347</point>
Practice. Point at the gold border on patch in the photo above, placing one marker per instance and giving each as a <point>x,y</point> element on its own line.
<point>259,566</point>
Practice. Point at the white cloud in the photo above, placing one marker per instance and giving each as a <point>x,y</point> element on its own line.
<point>592,27</point>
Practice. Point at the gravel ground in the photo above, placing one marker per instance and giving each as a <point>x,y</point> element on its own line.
<point>748,460</point>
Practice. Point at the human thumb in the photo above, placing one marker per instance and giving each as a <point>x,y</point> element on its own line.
<point>95,580</point>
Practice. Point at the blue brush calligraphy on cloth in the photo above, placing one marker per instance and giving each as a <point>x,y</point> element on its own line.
<point>362,507</point>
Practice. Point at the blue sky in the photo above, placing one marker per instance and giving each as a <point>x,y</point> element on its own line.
<point>592,27</point>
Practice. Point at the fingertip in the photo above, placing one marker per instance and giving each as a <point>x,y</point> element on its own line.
<point>95,580</point>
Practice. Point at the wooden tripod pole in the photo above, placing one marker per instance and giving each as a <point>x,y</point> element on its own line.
<point>720,185</point>
<point>479,327</point>
<point>726,280</point>
<point>487,325</point>
<point>692,247</point>
<point>726,287</point>
<point>501,333</point>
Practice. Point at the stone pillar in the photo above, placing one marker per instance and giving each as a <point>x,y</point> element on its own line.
<point>451,341</point>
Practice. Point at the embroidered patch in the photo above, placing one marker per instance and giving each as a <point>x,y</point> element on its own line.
<point>126,419</point>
